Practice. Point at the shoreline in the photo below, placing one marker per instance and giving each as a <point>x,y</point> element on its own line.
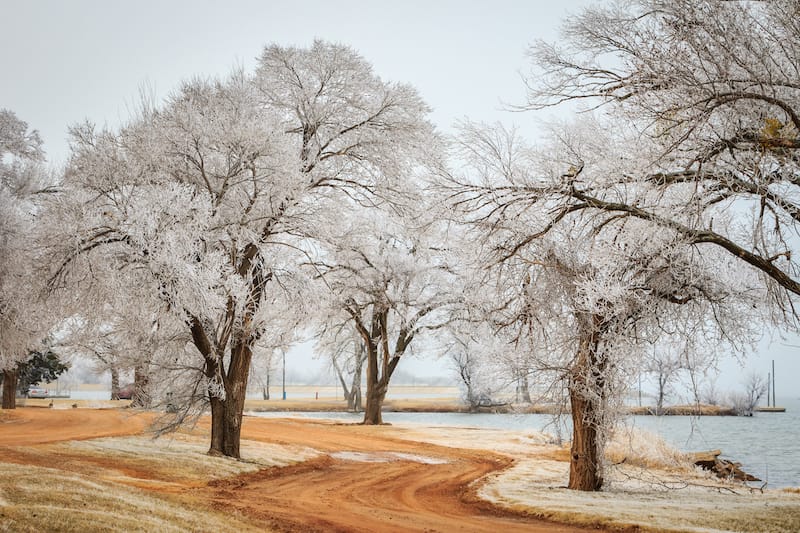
<point>410,405</point>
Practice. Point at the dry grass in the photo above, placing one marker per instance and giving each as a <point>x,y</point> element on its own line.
<point>638,447</point>
<point>126,484</point>
<point>183,457</point>
<point>431,405</point>
<point>69,403</point>
<point>685,410</point>
<point>45,499</point>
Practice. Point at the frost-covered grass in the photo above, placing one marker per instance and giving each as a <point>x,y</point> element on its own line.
<point>649,500</point>
<point>45,499</point>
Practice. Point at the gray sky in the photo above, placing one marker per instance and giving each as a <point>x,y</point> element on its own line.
<point>63,62</point>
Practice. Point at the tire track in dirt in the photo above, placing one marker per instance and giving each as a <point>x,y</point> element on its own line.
<point>328,494</point>
<point>334,494</point>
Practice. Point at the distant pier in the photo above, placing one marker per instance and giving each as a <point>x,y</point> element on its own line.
<point>770,409</point>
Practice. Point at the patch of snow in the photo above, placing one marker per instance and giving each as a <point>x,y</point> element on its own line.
<point>385,457</point>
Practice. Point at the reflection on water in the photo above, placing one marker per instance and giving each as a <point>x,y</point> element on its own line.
<point>767,444</point>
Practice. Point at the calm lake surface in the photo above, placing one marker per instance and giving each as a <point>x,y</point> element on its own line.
<point>767,444</point>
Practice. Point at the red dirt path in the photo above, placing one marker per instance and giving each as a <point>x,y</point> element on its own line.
<point>323,494</point>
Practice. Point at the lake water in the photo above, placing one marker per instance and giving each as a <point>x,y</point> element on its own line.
<point>767,444</point>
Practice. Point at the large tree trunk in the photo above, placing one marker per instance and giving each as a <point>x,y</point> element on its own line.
<point>227,405</point>
<point>230,417</point>
<point>217,429</point>
<point>114,383</point>
<point>10,388</point>
<point>376,393</point>
<point>587,392</point>
<point>584,467</point>
<point>228,420</point>
<point>378,378</point>
<point>372,411</point>
<point>375,396</point>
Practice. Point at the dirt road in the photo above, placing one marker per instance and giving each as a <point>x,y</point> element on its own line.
<point>367,478</point>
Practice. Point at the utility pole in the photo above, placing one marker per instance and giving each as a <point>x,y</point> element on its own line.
<point>269,371</point>
<point>769,384</point>
<point>640,388</point>
<point>284,373</point>
<point>774,400</point>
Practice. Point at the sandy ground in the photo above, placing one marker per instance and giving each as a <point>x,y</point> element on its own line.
<point>305,475</point>
<point>345,478</point>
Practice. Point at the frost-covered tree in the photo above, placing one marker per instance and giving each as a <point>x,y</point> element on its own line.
<point>713,85</point>
<point>209,198</point>
<point>23,325</point>
<point>392,276</point>
<point>340,341</point>
<point>142,342</point>
<point>595,289</point>
<point>743,402</point>
<point>475,351</point>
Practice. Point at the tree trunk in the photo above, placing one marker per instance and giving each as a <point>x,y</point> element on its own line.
<point>233,404</point>
<point>372,411</point>
<point>586,394</point>
<point>660,399</point>
<point>10,388</point>
<point>141,392</point>
<point>347,393</point>
<point>584,466</point>
<point>524,386</point>
<point>358,405</point>
<point>354,398</point>
<point>378,380</point>
<point>376,390</point>
<point>217,429</point>
<point>114,383</point>
<point>228,419</point>
<point>376,393</point>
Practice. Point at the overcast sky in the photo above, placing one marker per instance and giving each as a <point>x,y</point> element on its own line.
<point>63,62</point>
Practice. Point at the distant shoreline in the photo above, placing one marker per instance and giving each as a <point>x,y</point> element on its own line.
<point>442,404</point>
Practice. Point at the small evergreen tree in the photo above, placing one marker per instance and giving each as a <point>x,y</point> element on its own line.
<point>40,366</point>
